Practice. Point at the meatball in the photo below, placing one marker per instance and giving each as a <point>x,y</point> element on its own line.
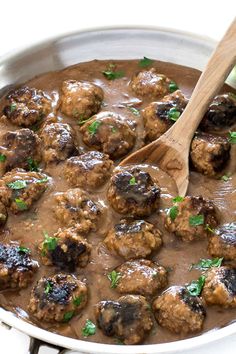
<point>191,218</point>
<point>26,106</point>
<point>58,299</point>
<point>141,276</point>
<point>159,116</point>
<point>128,318</point>
<point>133,192</point>
<point>89,170</point>
<point>58,142</point>
<point>19,189</point>
<point>149,83</point>
<point>133,239</point>
<point>17,268</point>
<point>220,287</point>
<point>66,250</point>
<point>209,153</point>
<point>75,208</point>
<point>178,311</point>
<point>221,113</point>
<point>19,148</point>
<point>80,99</point>
<point>222,242</point>
<point>3,214</point>
<point>110,133</point>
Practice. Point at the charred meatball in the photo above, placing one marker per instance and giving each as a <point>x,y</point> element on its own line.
<point>58,142</point>
<point>133,238</point>
<point>75,208</point>
<point>19,148</point>
<point>3,214</point>
<point>221,113</point>
<point>209,153</point>
<point>159,116</point>
<point>19,189</point>
<point>26,106</point>
<point>128,319</point>
<point>89,170</point>
<point>191,218</point>
<point>80,99</point>
<point>220,287</point>
<point>110,133</point>
<point>222,242</point>
<point>66,250</point>
<point>17,268</point>
<point>133,192</point>
<point>142,276</point>
<point>178,311</point>
<point>58,299</point>
<point>149,83</point>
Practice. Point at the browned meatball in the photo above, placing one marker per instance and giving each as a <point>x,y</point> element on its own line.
<point>133,192</point>
<point>142,276</point>
<point>58,141</point>
<point>80,99</point>
<point>220,287</point>
<point>18,148</point>
<point>178,311</point>
<point>66,249</point>
<point>222,242</point>
<point>128,318</point>
<point>221,114</point>
<point>133,238</point>
<point>26,106</point>
<point>110,133</point>
<point>159,116</point>
<point>191,217</point>
<point>89,170</point>
<point>58,299</point>
<point>17,268</point>
<point>3,214</point>
<point>75,208</point>
<point>150,83</point>
<point>19,189</point>
<point>209,153</point>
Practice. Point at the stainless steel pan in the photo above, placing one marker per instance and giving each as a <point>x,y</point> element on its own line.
<point>108,43</point>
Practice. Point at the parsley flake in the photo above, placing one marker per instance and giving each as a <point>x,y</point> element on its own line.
<point>134,110</point>
<point>49,243</point>
<point>21,204</point>
<point>3,158</point>
<point>19,184</point>
<point>173,87</point>
<point>196,220</point>
<point>112,74</point>
<point>13,107</point>
<point>225,178</point>
<point>232,137</point>
<point>89,329</point>
<point>43,180</point>
<point>32,164</point>
<point>173,212</point>
<point>48,287</point>
<point>195,287</point>
<point>114,278</point>
<point>68,316</point>
<point>205,264</point>
<point>145,62</point>
<point>132,181</point>
<point>93,127</point>
<point>173,114</point>
<point>178,199</point>
<point>23,249</point>
<point>77,300</point>
<point>208,228</point>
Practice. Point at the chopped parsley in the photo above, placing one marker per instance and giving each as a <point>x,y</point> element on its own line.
<point>89,329</point>
<point>48,287</point>
<point>13,107</point>
<point>114,278</point>
<point>68,316</point>
<point>232,137</point>
<point>195,287</point>
<point>3,158</point>
<point>132,181</point>
<point>173,114</point>
<point>19,184</point>
<point>77,300</point>
<point>43,180</point>
<point>32,164</point>
<point>178,199</point>
<point>225,178</point>
<point>21,204</point>
<point>49,243</point>
<point>145,62</point>
<point>23,249</point>
<point>173,212</point>
<point>208,228</point>
<point>173,87</point>
<point>196,220</point>
<point>134,110</point>
<point>204,264</point>
<point>113,129</point>
<point>81,122</point>
<point>112,74</point>
<point>93,127</point>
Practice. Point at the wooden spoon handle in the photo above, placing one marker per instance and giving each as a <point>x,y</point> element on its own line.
<point>218,68</point>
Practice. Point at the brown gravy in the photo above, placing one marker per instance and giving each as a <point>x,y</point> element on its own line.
<point>28,227</point>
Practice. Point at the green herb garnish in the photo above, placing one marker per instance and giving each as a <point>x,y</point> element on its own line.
<point>178,199</point>
<point>93,127</point>
<point>32,164</point>
<point>13,107</point>
<point>48,287</point>
<point>204,264</point>
<point>173,212</point>
<point>145,62</point>
<point>232,137</point>
<point>208,228</point>
<point>49,243</point>
<point>68,316</point>
<point>132,181</point>
<point>195,287</point>
<point>3,158</point>
<point>23,249</point>
<point>225,178</point>
<point>111,74</point>
<point>43,180</point>
<point>114,278</point>
<point>89,329</point>
<point>134,110</point>
<point>77,300</point>
<point>196,220</point>
<point>173,114</point>
<point>21,204</point>
<point>113,129</point>
<point>19,184</point>
<point>173,87</point>
<point>81,122</point>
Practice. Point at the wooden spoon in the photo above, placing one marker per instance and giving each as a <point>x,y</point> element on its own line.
<point>171,151</point>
